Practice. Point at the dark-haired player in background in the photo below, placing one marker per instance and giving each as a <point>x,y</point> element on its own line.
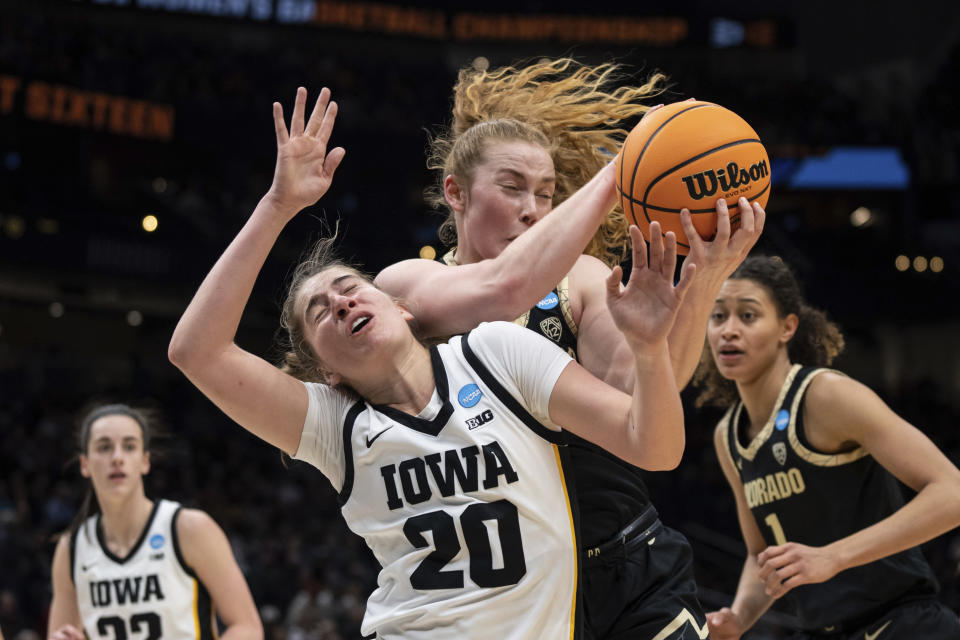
<point>813,457</point>
<point>132,566</point>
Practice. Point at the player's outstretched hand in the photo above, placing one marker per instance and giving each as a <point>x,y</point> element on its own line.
<point>66,632</point>
<point>304,166</point>
<point>717,259</point>
<point>724,625</point>
<point>786,566</point>
<point>645,309</point>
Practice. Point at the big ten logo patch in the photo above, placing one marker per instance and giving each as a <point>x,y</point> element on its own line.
<point>480,420</point>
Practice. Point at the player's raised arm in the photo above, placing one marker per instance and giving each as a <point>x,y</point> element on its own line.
<point>453,299</point>
<point>646,428</point>
<point>250,390</point>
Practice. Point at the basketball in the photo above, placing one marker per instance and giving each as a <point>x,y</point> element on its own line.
<point>688,155</point>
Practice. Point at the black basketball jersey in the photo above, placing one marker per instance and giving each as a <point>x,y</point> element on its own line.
<point>798,494</point>
<point>610,492</point>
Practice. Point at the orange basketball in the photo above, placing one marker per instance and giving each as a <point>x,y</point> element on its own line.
<point>689,155</point>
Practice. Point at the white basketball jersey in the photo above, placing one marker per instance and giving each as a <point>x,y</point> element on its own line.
<point>148,595</point>
<point>467,512</point>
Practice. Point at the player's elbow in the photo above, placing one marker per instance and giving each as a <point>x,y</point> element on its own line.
<point>255,629</point>
<point>509,295</point>
<point>665,461</point>
<point>251,629</point>
<point>951,494</point>
<point>178,353</point>
<point>185,355</point>
<point>661,451</point>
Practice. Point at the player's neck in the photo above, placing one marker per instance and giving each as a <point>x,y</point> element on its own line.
<point>465,254</point>
<point>406,383</point>
<point>760,395</point>
<point>123,521</point>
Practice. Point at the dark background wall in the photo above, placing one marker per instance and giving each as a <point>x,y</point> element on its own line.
<point>75,262</point>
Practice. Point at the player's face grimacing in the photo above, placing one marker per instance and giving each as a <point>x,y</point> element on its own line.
<point>745,332</point>
<point>510,190</point>
<point>114,459</point>
<point>346,319</point>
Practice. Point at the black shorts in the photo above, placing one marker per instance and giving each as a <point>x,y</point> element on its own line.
<point>926,620</point>
<point>640,586</point>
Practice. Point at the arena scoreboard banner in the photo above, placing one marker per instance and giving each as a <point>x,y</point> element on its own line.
<point>438,24</point>
<point>72,106</point>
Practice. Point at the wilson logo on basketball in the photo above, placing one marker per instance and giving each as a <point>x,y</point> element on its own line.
<point>705,183</point>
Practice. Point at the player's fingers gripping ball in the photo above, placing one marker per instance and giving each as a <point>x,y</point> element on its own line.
<point>688,155</point>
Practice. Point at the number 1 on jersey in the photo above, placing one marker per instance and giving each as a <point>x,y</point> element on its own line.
<point>774,523</point>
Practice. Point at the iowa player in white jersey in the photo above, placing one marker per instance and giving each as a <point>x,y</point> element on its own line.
<point>812,457</point>
<point>135,568</point>
<point>520,140</point>
<point>447,458</point>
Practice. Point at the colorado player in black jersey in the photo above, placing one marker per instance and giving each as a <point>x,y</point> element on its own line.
<point>813,457</point>
<point>135,567</point>
<point>521,140</point>
<point>399,428</point>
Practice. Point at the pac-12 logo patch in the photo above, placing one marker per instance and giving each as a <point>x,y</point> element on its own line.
<point>780,452</point>
<point>469,395</point>
<point>551,328</point>
<point>156,541</point>
<point>783,419</point>
<point>549,301</point>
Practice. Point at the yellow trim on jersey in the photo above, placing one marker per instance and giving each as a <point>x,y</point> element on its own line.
<point>725,423</point>
<point>815,457</point>
<point>563,292</point>
<point>523,320</point>
<point>767,430</point>
<point>573,533</point>
<point>684,617</point>
<point>196,609</point>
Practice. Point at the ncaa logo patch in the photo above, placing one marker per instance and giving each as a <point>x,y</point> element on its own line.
<point>551,328</point>
<point>783,419</point>
<point>156,541</point>
<point>469,395</point>
<point>780,452</point>
<point>549,301</point>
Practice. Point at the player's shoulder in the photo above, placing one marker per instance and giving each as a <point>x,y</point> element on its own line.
<point>498,332</point>
<point>830,391</point>
<point>404,271</point>
<point>194,522</point>
<point>63,543</point>
<point>322,393</point>
<point>587,279</point>
<point>587,266</point>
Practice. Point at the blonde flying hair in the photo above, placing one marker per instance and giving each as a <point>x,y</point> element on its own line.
<point>564,106</point>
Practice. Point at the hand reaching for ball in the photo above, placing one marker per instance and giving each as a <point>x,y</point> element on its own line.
<point>644,310</point>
